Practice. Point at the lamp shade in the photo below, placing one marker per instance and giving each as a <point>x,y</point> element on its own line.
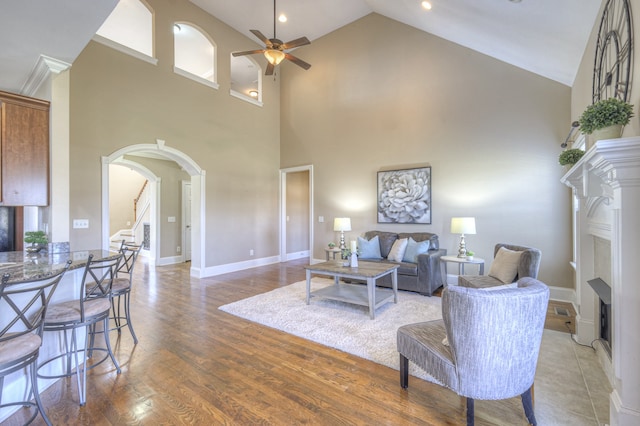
<point>463,225</point>
<point>274,56</point>
<point>342,224</point>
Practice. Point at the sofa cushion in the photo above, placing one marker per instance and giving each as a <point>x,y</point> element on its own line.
<point>414,249</point>
<point>405,268</point>
<point>422,236</point>
<point>386,240</point>
<point>505,265</point>
<point>369,249</point>
<point>397,250</point>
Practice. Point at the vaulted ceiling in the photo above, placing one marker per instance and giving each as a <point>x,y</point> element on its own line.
<point>546,37</point>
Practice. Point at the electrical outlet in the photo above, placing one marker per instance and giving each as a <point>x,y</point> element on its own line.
<point>321,219</point>
<point>80,223</point>
<point>178,249</point>
<point>251,252</point>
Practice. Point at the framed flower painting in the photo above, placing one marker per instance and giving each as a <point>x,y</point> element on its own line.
<point>404,196</point>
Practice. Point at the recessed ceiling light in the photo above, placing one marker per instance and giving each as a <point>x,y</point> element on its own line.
<point>426,5</point>
<point>515,1</point>
<point>253,93</point>
<point>282,17</point>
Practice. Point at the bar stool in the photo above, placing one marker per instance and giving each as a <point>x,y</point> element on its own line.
<point>122,288</point>
<point>92,306</point>
<point>23,307</point>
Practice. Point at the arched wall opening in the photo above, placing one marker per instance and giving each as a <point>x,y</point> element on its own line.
<point>198,225</point>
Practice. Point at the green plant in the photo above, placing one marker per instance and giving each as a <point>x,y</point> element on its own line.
<point>470,253</point>
<point>35,237</point>
<point>605,113</point>
<point>570,156</point>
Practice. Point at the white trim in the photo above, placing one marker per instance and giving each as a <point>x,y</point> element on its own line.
<point>296,256</point>
<point>563,294</point>
<point>239,266</point>
<point>195,78</point>
<point>171,260</point>
<point>125,49</point>
<point>45,66</point>
<point>245,98</point>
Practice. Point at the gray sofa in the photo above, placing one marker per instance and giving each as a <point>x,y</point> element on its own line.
<point>423,277</point>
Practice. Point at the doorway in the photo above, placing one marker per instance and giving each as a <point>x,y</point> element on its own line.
<point>296,232</point>
<point>186,221</point>
<point>197,186</point>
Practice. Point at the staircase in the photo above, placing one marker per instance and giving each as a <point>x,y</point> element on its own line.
<point>140,206</point>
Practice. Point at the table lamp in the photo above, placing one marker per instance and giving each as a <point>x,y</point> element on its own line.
<point>342,224</point>
<point>463,225</point>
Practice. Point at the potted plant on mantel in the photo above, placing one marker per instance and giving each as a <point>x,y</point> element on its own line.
<point>37,239</point>
<point>605,119</point>
<point>569,157</point>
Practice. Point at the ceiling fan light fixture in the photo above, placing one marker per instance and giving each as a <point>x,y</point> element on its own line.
<point>274,56</point>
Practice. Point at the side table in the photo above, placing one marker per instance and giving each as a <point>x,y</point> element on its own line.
<point>461,261</point>
<point>332,250</point>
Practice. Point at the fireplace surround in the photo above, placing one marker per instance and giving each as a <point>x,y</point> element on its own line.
<point>606,184</point>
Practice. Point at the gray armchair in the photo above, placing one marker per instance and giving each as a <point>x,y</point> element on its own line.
<point>493,343</point>
<point>528,266</point>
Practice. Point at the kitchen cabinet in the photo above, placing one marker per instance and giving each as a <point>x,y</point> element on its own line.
<point>24,151</point>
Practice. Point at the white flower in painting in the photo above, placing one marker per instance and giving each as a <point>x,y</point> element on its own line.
<point>404,197</point>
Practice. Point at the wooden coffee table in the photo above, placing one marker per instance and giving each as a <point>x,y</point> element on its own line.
<point>357,294</point>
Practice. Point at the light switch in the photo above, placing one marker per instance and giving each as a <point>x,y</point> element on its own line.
<point>171,218</point>
<point>80,223</point>
<point>321,219</point>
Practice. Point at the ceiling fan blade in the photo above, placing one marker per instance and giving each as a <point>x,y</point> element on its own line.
<point>297,61</point>
<point>270,68</point>
<point>261,36</point>
<point>295,43</point>
<point>248,52</point>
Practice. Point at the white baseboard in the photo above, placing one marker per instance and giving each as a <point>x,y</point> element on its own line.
<point>172,260</point>
<point>297,255</point>
<point>233,267</point>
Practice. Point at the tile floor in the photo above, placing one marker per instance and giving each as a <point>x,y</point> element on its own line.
<point>578,392</point>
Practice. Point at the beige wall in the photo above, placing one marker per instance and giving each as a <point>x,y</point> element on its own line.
<point>118,100</point>
<point>383,95</point>
<point>581,93</point>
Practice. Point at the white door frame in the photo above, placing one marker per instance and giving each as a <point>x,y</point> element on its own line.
<point>283,209</point>
<point>183,186</point>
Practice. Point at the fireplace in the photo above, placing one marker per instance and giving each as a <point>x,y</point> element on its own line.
<point>606,187</point>
<point>603,290</point>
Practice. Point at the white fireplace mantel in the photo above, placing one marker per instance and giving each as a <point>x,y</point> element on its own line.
<point>609,174</point>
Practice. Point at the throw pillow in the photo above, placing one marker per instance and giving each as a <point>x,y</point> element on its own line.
<point>397,250</point>
<point>369,249</point>
<point>445,341</point>
<point>505,265</point>
<point>414,249</point>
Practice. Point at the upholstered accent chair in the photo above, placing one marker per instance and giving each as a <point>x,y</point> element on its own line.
<point>492,343</point>
<point>527,264</point>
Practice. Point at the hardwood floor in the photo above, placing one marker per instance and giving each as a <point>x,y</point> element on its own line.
<point>195,364</point>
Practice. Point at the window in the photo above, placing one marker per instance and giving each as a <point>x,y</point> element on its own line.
<point>246,79</point>
<point>194,54</point>
<point>129,29</point>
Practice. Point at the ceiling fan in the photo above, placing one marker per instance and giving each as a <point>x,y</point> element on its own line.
<point>274,49</point>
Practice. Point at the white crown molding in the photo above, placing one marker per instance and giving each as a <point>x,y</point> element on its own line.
<point>41,72</point>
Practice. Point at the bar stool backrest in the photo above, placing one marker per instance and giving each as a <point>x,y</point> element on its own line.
<point>97,279</point>
<point>130,254</point>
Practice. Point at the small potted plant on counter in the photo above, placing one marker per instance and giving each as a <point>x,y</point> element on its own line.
<point>470,255</point>
<point>37,239</point>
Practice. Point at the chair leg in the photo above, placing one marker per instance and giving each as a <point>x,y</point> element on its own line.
<point>36,393</point>
<point>108,343</point>
<point>470,412</point>
<point>527,404</point>
<point>81,376</point>
<point>127,313</point>
<point>404,372</point>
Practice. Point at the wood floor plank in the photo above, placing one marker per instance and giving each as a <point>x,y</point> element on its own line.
<point>195,364</point>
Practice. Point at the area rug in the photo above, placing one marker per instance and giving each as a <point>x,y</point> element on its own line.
<point>339,325</point>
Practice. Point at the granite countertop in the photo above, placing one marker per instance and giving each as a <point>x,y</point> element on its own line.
<point>23,266</point>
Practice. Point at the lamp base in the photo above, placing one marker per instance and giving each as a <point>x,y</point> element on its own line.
<point>462,248</point>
